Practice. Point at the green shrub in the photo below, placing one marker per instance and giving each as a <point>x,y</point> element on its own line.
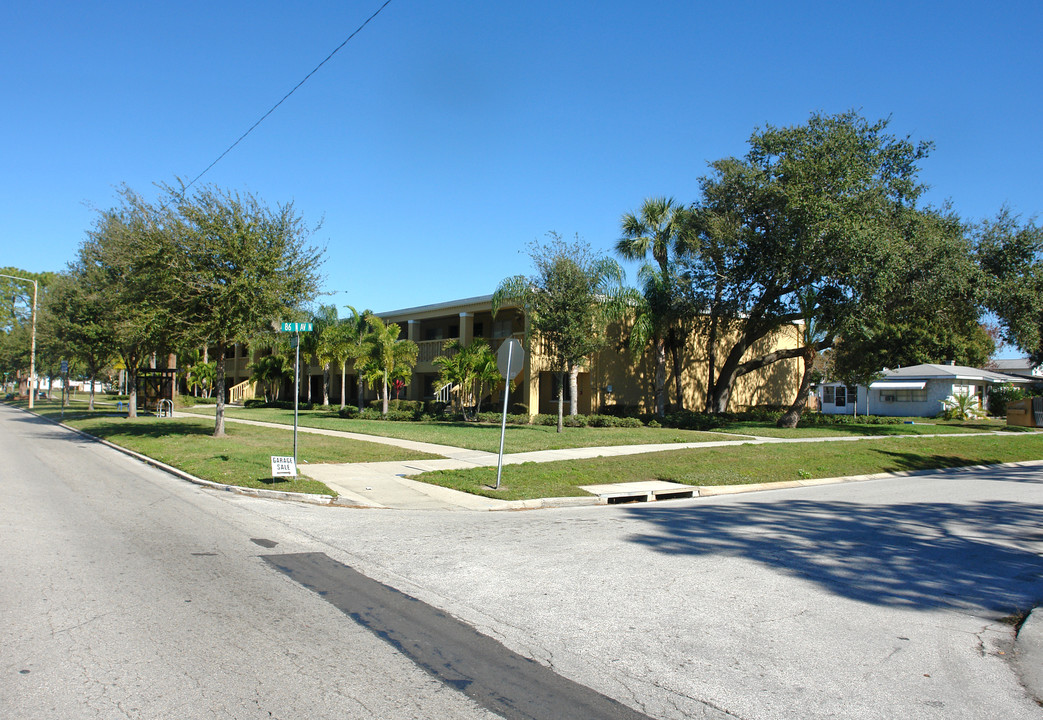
<point>416,406</point>
<point>1000,396</point>
<point>190,400</point>
<point>629,422</point>
<point>821,420</point>
<point>574,421</point>
<point>348,412</point>
<point>400,416</point>
<point>690,420</point>
<point>653,424</point>
<point>545,419</point>
<point>602,421</point>
<point>255,403</point>
<point>620,410</point>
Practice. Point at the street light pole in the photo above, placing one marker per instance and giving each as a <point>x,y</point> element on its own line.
<point>32,338</point>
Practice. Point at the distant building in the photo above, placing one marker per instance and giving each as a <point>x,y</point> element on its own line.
<point>914,391</point>
<point>1019,367</point>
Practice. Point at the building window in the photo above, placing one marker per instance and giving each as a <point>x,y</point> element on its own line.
<point>841,396</point>
<point>567,395</point>
<point>502,328</point>
<point>827,395</point>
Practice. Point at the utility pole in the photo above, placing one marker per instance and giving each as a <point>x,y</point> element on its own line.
<point>32,340</point>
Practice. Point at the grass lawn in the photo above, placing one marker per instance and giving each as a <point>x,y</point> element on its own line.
<point>473,436</point>
<point>744,464</point>
<point>919,427</point>
<point>242,457</point>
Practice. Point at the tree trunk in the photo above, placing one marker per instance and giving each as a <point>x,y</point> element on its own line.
<point>574,390</point>
<point>722,390</point>
<point>132,392</point>
<point>675,353</point>
<point>326,385</point>
<point>360,389</point>
<point>90,400</point>
<point>219,381</point>
<point>561,400</point>
<point>385,405</point>
<point>343,383</point>
<point>711,361</point>
<point>660,377</point>
<point>792,415</point>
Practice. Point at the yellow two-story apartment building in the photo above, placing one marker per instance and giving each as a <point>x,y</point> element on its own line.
<point>613,379</point>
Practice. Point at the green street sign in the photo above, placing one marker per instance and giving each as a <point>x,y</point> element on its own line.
<point>296,327</point>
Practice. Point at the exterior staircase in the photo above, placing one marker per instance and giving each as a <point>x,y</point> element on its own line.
<point>238,394</point>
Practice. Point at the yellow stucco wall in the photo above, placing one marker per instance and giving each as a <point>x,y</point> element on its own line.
<point>633,380</point>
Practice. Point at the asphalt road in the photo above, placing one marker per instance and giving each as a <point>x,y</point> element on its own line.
<point>129,593</point>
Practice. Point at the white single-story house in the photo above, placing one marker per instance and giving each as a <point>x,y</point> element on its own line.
<point>914,391</point>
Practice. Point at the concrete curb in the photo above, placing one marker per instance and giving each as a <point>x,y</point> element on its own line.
<point>712,490</point>
<point>1028,654</point>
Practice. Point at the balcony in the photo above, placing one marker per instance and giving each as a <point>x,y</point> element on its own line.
<point>430,349</point>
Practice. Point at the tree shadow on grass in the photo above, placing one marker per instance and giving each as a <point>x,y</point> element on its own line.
<point>983,556</point>
<point>919,461</point>
<point>165,428</point>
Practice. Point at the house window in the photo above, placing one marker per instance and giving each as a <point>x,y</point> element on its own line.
<point>827,395</point>
<point>910,395</point>
<point>567,395</point>
<point>841,396</point>
<point>479,330</point>
<point>502,328</point>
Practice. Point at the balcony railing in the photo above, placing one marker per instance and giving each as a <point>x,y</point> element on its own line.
<point>430,349</point>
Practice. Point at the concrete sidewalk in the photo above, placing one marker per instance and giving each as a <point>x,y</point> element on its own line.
<point>385,485</point>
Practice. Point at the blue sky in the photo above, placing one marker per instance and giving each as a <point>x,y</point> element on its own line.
<point>448,135</point>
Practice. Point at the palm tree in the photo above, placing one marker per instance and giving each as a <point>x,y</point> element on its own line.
<point>471,369</point>
<point>269,372</point>
<point>387,357</point>
<point>315,345</point>
<point>452,371</point>
<point>355,332</point>
<point>649,312</point>
<point>660,229</point>
<point>200,377</point>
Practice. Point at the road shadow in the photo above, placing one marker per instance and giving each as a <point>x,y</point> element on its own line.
<point>983,556</point>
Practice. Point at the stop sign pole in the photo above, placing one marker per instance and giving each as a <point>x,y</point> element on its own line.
<point>509,360</point>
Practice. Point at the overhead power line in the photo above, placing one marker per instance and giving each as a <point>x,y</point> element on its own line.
<point>284,97</point>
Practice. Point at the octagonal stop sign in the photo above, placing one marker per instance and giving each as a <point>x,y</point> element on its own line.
<point>510,358</point>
